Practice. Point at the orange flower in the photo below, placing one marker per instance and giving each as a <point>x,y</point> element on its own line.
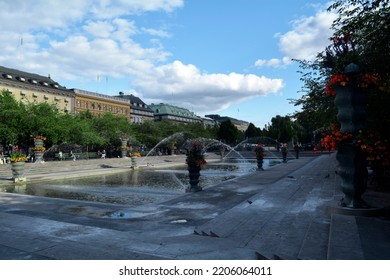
<point>342,79</point>
<point>376,150</point>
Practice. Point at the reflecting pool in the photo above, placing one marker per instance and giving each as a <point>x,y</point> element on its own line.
<point>137,187</point>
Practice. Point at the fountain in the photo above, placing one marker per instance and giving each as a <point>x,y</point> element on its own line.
<point>177,135</point>
<point>147,185</point>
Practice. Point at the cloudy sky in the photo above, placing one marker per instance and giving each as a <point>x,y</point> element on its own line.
<point>222,57</point>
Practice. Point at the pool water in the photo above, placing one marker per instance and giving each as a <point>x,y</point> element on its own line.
<point>139,187</point>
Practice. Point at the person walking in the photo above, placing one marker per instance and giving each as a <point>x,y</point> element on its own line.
<point>284,152</point>
<point>72,155</point>
<point>296,149</point>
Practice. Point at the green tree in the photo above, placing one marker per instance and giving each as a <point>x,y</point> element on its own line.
<point>318,111</point>
<point>368,26</point>
<point>363,27</point>
<point>82,132</point>
<point>110,127</point>
<point>12,119</point>
<point>367,23</point>
<point>229,133</point>
<point>280,129</point>
<point>252,131</point>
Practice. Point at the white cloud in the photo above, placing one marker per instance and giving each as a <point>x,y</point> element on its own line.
<point>308,37</point>
<point>180,83</point>
<point>114,8</point>
<point>99,28</point>
<point>156,32</point>
<point>273,62</point>
<point>75,41</point>
<point>20,15</point>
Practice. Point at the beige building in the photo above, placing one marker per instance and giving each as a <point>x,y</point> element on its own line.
<point>33,88</point>
<point>99,104</point>
<point>140,112</point>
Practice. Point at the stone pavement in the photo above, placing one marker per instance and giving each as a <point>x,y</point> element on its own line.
<point>289,211</point>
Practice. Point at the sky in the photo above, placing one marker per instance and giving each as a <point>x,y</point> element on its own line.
<point>232,58</point>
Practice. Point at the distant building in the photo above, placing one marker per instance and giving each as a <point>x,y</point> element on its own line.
<point>98,104</point>
<point>32,88</point>
<point>140,112</point>
<point>208,121</point>
<point>173,113</point>
<point>241,125</point>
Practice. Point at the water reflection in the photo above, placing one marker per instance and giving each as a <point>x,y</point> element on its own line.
<point>134,187</point>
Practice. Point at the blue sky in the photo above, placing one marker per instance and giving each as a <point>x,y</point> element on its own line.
<point>222,57</point>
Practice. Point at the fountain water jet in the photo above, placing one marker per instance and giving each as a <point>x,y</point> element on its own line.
<point>178,135</point>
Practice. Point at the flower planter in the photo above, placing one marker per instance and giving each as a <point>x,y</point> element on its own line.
<point>38,155</point>
<point>194,175</point>
<point>353,173</point>
<point>195,160</point>
<point>351,105</point>
<point>39,150</point>
<point>351,102</point>
<point>134,162</point>
<point>260,161</point>
<point>18,171</point>
<point>38,142</point>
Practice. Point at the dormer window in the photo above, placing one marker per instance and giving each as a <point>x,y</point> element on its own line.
<point>45,84</point>
<point>33,81</point>
<point>8,76</point>
<point>55,85</point>
<point>56,98</point>
<point>21,79</point>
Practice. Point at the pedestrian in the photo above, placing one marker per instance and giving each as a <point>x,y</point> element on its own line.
<point>284,152</point>
<point>296,149</point>
<point>104,154</point>
<point>60,155</point>
<point>72,155</point>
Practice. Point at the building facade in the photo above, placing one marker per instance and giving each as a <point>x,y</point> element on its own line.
<point>99,104</point>
<point>139,111</point>
<point>239,124</point>
<point>173,113</point>
<point>32,88</point>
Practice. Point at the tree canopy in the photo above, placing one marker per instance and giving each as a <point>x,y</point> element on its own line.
<point>361,36</point>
